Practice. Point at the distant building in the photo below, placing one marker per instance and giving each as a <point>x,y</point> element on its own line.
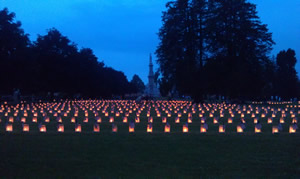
<point>151,88</point>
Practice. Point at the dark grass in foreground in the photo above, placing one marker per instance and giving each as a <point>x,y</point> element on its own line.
<point>141,155</point>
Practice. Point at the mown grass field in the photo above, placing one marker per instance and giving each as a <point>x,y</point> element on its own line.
<point>142,155</point>
<point>149,155</point>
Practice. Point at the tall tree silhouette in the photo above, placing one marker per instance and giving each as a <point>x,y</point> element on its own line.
<point>65,69</point>
<point>13,51</point>
<point>137,84</point>
<point>239,42</point>
<point>177,51</point>
<point>52,63</point>
<point>286,79</point>
<point>54,52</point>
<point>214,47</point>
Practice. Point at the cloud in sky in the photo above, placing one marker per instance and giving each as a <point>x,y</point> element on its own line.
<point>122,33</point>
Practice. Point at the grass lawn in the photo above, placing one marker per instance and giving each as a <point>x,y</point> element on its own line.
<point>150,155</point>
<point>142,155</point>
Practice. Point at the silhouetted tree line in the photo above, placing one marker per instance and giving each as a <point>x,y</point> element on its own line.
<point>220,47</point>
<point>52,64</point>
<point>138,85</point>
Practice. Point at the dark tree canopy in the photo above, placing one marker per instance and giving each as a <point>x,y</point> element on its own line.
<point>12,37</point>
<point>52,64</point>
<point>137,84</point>
<point>286,79</point>
<point>176,52</point>
<point>216,47</point>
<point>239,43</point>
<point>13,50</point>
<point>207,47</point>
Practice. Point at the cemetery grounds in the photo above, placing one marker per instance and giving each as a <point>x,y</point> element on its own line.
<point>142,154</point>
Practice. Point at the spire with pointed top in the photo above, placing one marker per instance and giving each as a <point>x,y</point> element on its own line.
<point>151,89</point>
<point>151,74</point>
<point>150,60</point>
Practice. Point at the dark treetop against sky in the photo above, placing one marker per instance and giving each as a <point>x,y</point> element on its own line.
<point>122,33</point>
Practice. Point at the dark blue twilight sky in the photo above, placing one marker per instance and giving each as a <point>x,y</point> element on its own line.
<point>122,33</point>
